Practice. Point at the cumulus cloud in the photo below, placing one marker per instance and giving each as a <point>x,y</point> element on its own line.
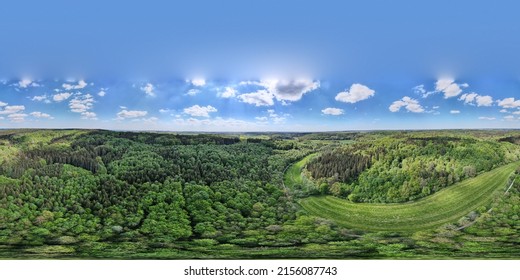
<point>356,93</point>
<point>262,119</point>
<point>102,92</point>
<point>332,111</point>
<point>25,83</point>
<point>476,99</point>
<point>148,89</point>
<point>485,100</point>
<point>487,118</point>
<point>81,84</point>
<point>200,111</point>
<point>17,117</point>
<point>41,98</point>
<point>61,96</point>
<point>411,105</point>
<point>228,92</point>
<point>41,115</point>
<point>509,118</point>
<point>126,114</point>
<point>449,87</point>
<point>2,104</point>
<point>88,116</point>
<point>276,118</point>
<point>509,103</point>
<point>291,90</point>
<point>164,111</point>
<point>218,124</point>
<point>82,104</point>
<point>12,109</point>
<point>281,90</point>
<point>258,98</point>
<point>454,112</point>
<point>199,82</point>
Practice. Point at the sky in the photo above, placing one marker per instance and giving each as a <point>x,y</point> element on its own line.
<point>259,65</point>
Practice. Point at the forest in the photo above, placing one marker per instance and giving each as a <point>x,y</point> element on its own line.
<point>92,194</point>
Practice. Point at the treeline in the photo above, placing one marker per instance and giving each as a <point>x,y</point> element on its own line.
<point>340,165</point>
<point>405,166</point>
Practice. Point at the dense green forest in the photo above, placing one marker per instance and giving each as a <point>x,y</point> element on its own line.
<point>107,194</point>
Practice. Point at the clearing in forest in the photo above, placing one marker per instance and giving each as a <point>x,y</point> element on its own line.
<point>445,206</point>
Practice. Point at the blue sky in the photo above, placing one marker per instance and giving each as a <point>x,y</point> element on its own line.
<point>260,66</point>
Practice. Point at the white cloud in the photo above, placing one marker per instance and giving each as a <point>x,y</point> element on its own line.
<point>504,111</point>
<point>449,87</point>
<point>411,105</point>
<point>61,96</point>
<point>509,103</point>
<point>193,92</point>
<point>41,115</point>
<point>290,90</point>
<point>228,92</point>
<point>468,98</point>
<point>509,118</point>
<point>125,114</point>
<point>81,84</point>
<point>454,112</point>
<point>485,100</point>
<point>259,98</point>
<point>148,89</point>
<point>40,98</point>
<point>25,83</point>
<point>476,99</point>
<point>88,116</point>
<point>274,117</point>
<point>357,92</point>
<point>283,90</point>
<point>12,109</point>
<point>199,82</point>
<point>218,124</point>
<point>164,111</point>
<point>516,113</point>
<point>81,103</point>
<point>102,92</point>
<point>419,89</point>
<point>487,118</point>
<point>332,111</point>
<point>2,104</point>
<point>200,111</point>
<point>17,117</point>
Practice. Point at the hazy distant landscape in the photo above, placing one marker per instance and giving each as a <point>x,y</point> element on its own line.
<point>88,194</point>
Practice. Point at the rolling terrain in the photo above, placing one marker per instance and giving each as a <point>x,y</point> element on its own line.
<point>443,207</point>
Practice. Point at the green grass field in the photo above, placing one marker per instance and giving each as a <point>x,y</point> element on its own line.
<point>293,175</point>
<point>445,206</point>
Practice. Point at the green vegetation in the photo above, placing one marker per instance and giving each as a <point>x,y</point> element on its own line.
<point>293,176</point>
<point>105,194</point>
<point>403,167</point>
<point>443,207</point>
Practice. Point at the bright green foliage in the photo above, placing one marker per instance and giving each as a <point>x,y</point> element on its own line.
<point>404,167</point>
<point>443,207</point>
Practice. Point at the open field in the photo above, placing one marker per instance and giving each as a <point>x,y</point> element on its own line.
<point>444,207</point>
<point>293,174</point>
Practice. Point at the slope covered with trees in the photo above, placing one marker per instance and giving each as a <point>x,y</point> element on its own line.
<point>406,166</point>
<point>106,194</point>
